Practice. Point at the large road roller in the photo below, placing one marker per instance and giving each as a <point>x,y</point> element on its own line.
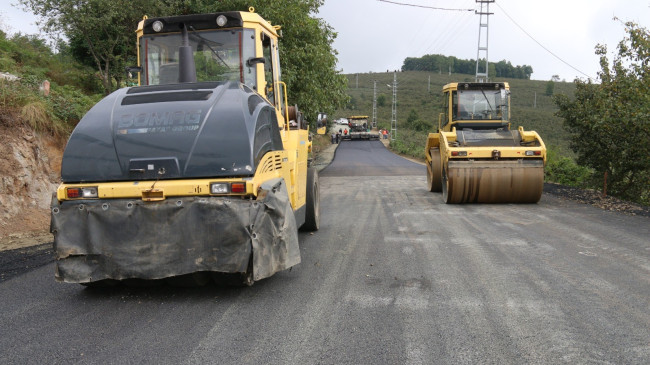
<point>199,172</point>
<point>475,157</point>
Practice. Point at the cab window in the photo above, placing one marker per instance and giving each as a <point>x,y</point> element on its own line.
<point>218,56</point>
<point>267,48</point>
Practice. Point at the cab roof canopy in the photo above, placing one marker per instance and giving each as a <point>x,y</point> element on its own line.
<point>234,19</point>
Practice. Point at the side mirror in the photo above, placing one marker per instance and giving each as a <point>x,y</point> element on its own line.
<point>255,60</point>
<point>132,76</point>
<point>133,69</point>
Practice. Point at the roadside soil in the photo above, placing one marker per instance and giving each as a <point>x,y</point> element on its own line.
<point>29,174</point>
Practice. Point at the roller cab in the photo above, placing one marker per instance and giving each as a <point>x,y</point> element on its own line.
<point>475,157</point>
<point>200,169</point>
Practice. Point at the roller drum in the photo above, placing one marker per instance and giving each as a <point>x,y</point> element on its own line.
<point>503,181</point>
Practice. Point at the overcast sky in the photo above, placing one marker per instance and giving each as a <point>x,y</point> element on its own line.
<point>377,36</point>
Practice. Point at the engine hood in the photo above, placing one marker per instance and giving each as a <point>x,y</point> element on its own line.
<point>194,130</point>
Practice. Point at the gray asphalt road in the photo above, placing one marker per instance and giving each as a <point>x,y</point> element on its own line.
<point>370,158</point>
<point>392,277</point>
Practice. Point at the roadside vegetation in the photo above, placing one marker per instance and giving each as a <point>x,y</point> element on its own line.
<point>29,64</point>
<point>609,121</point>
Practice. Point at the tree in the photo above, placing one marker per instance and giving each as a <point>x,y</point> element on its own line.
<point>550,87</point>
<point>381,100</point>
<point>609,120</point>
<point>100,31</point>
<point>414,122</point>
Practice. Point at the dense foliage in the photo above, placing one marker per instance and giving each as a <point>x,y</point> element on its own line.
<point>100,32</point>
<point>610,120</point>
<point>439,63</point>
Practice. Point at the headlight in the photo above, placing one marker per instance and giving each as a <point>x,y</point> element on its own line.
<point>221,20</point>
<point>157,26</point>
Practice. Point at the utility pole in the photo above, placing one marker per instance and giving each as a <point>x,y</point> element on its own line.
<point>374,104</point>
<point>482,50</point>
<point>357,81</point>
<point>393,119</point>
<point>429,85</point>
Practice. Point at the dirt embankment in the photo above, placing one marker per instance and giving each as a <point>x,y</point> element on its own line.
<point>29,174</point>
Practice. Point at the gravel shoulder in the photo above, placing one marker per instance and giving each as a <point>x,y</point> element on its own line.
<point>596,199</point>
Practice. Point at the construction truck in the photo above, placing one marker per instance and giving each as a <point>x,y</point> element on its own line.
<point>199,171</point>
<point>475,157</point>
<point>359,129</point>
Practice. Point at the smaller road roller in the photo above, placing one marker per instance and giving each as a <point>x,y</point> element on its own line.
<point>475,157</point>
<point>199,172</point>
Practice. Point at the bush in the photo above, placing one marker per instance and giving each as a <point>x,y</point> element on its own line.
<point>563,170</point>
<point>37,115</point>
<point>410,143</point>
<point>69,104</point>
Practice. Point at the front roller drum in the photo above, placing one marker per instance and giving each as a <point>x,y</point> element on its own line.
<point>516,181</point>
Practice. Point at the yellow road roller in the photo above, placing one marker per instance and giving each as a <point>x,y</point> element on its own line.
<point>475,157</point>
<point>198,172</point>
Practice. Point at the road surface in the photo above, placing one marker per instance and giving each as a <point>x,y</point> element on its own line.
<point>394,276</point>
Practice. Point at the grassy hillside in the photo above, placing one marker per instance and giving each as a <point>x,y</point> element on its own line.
<point>413,94</point>
<point>73,88</point>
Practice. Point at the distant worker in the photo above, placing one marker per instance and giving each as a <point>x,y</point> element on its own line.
<point>385,134</point>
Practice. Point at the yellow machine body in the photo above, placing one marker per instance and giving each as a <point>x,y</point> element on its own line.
<point>475,157</point>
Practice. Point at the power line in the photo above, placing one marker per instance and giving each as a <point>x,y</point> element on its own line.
<point>539,44</point>
<point>424,6</point>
